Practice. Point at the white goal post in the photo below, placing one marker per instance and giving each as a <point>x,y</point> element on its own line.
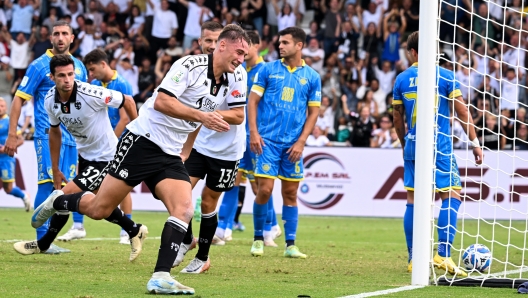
<point>485,48</point>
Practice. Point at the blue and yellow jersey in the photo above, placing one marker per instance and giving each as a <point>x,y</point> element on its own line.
<point>117,83</point>
<point>252,72</point>
<point>36,84</point>
<point>4,131</point>
<point>405,92</point>
<point>286,94</point>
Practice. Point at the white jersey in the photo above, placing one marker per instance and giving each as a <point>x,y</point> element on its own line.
<point>228,145</point>
<point>86,118</point>
<point>191,81</point>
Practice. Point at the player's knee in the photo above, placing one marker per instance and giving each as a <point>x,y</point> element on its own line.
<point>8,187</point>
<point>265,191</point>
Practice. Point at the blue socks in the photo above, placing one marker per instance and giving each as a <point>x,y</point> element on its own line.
<point>447,223</point>
<point>78,220</point>
<point>43,191</point>
<point>227,211</point>
<point>408,219</point>
<point>17,192</point>
<point>269,216</point>
<point>290,216</point>
<point>260,211</point>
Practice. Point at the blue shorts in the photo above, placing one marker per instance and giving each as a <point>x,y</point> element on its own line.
<point>7,165</point>
<point>273,163</point>
<point>67,162</point>
<point>247,163</point>
<point>446,175</point>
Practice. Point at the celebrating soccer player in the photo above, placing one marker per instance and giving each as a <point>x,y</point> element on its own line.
<point>36,84</point>
<point>149,151</point>
<point>447,176</point>
<point>81,107</point>
<point>282,111</point>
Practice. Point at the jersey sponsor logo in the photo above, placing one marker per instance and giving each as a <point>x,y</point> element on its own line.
<point>71,121</point>
<point>276,77</point>
<point>317,94</point>
<point>177,77</point>
<point>206,104</point>
<point>303,81</point>
<point>237,94</point>
<point>194,125</point>
<point>24,82</point>
<point>108,99</point>
<point>78,105</point>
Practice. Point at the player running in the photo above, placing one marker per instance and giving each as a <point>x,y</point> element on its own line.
<point>282,111</point>
<point>7,163</point>
<point>97,65</point>
<point>233,199</point>
<point>214,157</point>
<point>447,176</point>
<point>150,150</point>
<point>81,107</point>
<point>36,84</point>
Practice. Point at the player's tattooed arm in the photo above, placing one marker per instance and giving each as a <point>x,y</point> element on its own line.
<point>399,125</point>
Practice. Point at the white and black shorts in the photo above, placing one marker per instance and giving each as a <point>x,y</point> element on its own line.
<point>138,159</point>
<point>91,174</point>
<point>221,174</point>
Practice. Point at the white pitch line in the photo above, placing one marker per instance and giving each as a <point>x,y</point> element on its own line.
<point>84,239</point>
<point>384,292</point>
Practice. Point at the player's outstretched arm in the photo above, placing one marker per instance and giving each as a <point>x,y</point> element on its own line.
<point>130,107</point>
<point>234,116</point>
<point>172,107</point>
<point>10,147</point>
<point>469,128</point>
<point>55,142</point>
<point>255,140</point>
<point>397,115</point>
<point>297,149</point>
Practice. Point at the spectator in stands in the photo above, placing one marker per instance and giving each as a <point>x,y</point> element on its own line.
<point>74,8</point>
<point>135,22</point>
<point>411,14</point>
<point>372,39</point>
<point>348,40</point>
<point>51,19</point>
<point>88,40</point>
<point>286,16</point>
<point>491,137</point>
<point>460,138</point>
<point>369,102</point>
<point>510,91</point>
<point>374,14</point>
<point>521,115</point>
<point>172,48</point>
<point>330,111</point>
<point>392,33</point>
<point>130,73</point>
<point>316,54</point>
<point>197,14</point>
<point>94,14</point>
<point>163,64</point>
<point>125,51</point>
<point>343,131</point>
<point>330,78</point>
<point>482,30</point>
<point>521,141</point>
<point>317,138</point>
<point>386,76</point>
<point>23,13</point>
<point>20,52</point>
<point>315,33</point>
<point>322,122</point>
<point>244,19</point>
<point>146,80</point>
<point>6,79</point>
<point>113,37</point>
<point>141,49</point>
<point>41,44</point>
<point>332,25</point>
<point>362,128</point>
<point>165,25</point>
<point>26,121</point>
<point>381,136</point>
<point>257,11</point>
<point>123,8</point>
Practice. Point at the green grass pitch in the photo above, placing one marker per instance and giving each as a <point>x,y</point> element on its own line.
<point>346,256</point>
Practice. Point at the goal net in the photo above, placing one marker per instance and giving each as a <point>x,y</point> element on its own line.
<point>483,44</point>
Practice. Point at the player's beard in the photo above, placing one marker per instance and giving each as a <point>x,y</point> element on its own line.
<point>58,51</point>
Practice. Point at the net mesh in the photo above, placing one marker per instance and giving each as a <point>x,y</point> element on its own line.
<point>483,45</point>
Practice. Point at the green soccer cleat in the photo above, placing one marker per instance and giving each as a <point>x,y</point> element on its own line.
<point>257,249</point>
<point>292,251</point>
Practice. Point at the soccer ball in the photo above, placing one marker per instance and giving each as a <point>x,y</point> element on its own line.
<point>477,257</point>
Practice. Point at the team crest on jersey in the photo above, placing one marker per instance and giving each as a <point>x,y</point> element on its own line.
<point>65,109</point>
<point>77,70</point>
<point>78,105</point>
<point>303,81</point>
<point>266,167</point>
<point>55,106</point>
<point>177,77</point>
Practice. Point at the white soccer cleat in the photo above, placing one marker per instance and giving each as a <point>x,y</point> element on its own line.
<point>184,248</point>
<point>27,247</point>
<point>268,241</point>
<point>43,212</point>
<point>217,241</point>
<point>136,242</point>
<point>276,231</point>
<point>197,266</point>
<point>27,202</point>
<point>73,234</point>
<point>163,283</point>
<point>124,239</point>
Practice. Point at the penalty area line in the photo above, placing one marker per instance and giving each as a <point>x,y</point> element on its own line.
<point>384,292</point>
<point>83,239</point>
